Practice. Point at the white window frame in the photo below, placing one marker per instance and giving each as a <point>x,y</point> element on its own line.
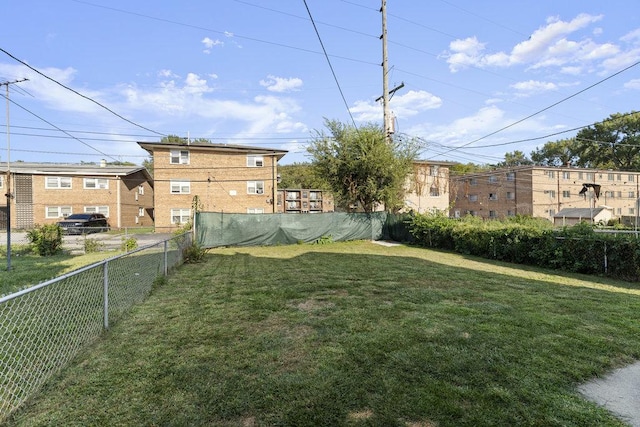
<point>255,210</point>
<point>1,181</point>
<point>511,176</point>
<point>180,186</point>
<point>255,161</point>
<point>181,214</point>
<point>566,175</point>
<point>96,184</point>
<point>510,195</point>
<point>104,210</point>
<point>434,191</point>
<point>566,194</point>
<point>473,197</point>
<point>179,157</point>
<point>140,212</point>
<point>493,196</point>
<point>58,182</point>
<point>255,187</point>
<point>141,190</point>
<point>493,179</point>
<point>60,211</point>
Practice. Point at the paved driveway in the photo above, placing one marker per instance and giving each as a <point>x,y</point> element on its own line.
<point>76,242</point>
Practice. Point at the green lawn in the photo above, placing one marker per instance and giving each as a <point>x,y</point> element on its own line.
<point>28,269</point>
<point>351,334</point>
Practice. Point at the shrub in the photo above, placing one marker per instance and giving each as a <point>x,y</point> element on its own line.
<point>46,239</point>
<point>193,253</point>
<point>128,244</point>
<point>92,246</point>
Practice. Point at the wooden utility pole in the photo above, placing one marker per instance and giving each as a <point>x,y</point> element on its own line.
<point>385,75</point>
<point>8,180</point>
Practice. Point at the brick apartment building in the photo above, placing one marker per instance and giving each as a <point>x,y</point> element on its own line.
<point>543,192</point>
<point>428,187</point>
<point>225,178</point>
<point>44,193</point>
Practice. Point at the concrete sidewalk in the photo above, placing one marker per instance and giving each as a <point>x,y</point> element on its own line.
<point>619,392</point>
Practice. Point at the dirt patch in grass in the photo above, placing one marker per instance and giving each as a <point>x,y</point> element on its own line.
<point>360,415</point>
<point>312,305</point>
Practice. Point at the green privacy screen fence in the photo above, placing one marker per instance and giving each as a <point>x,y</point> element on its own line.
<point>215,229</point>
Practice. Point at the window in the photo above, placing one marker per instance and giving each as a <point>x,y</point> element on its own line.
<point>180,186</point>
<point>631,177</point>
<point>473,181</point>
<point>550,174</point>
<point>493,179</point>
<point>609,194</point>
<point>551,193</point>
<point>104,210</point>
<point>255,210</point>
<point>631,194</point>
<point>619,177</point>
<point>611,177</point>
<point>140,211</point>
<point>552,212</point>
<point>632,211</point>
<point>179,157</point>
<point>180,216</point>
<point>255,187</point>
<point>473,197</point>
<point>510,195</point>
<point>1,181</point>
<point>58,182</point>
<point>433,170</point>
<point>566,194</point>
<point>315,195</point>
<point>619,194</point>
<point>493,196</point>
<point>255,161</point>
<point>141,190</point>
<point>434,191</point>
<point>566,175</point>
<point>57,211</point>
<point>590,176</point>
<point>511,213</point>
<point>619,211</point>
<point>493,214</point>
<point>96,183</point>
<point>511,176</point>
<point>456,213</point>
<point>580,175</point>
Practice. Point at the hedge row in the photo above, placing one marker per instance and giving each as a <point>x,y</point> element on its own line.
<point>530,241</point>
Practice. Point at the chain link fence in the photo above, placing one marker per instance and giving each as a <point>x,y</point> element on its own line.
<point>43,327</point>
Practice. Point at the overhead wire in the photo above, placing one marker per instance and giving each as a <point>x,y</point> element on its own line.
<point>78,93</point>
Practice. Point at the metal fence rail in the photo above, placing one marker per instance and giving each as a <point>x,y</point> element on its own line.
<point>43,327</point>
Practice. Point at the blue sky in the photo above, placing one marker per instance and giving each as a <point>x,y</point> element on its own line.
<point>254,72</point>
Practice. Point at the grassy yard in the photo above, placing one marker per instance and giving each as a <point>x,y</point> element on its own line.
<point>28,269</point>
<point>351,334</point>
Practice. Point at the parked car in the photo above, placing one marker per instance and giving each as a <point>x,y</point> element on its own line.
<point>84,223</point>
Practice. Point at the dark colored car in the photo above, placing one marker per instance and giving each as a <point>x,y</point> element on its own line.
<point>84,223</point>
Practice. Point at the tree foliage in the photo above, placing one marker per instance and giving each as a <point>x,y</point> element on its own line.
<point>515,158</point>
<point>361,167</point>
<point>613,143</point>
<point>301,175</point>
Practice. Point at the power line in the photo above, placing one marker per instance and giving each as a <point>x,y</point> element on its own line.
<point>548,107</point>
<point>330,66</point>
<point>79,94</point>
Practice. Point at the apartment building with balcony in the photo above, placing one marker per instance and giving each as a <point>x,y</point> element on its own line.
<point>304,201</point>
<point>216,177</point>
<point>543,192</point>
<point>45,193</point>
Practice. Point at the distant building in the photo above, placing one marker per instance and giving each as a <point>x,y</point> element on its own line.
<point>45,193</point>
<point>428,187</point>
<point>543,192</point>
<point>573,216</point>
<point>304,201</point>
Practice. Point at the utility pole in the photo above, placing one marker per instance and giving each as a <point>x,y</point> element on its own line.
<point>385,75</point>
<point>8,194</point>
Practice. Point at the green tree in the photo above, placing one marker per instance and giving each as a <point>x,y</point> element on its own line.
<point>301,175</point>
<point>516,158</point>
<point>557,153</point>
<point>148,164</point>
<point>362,168</point>
<point>613,143</point>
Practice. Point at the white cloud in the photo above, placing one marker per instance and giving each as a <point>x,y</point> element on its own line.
<point>548,46</point>
<point>281,84</point>
<point>531,87</point>
<point>633,84</point>
<point>210,44</point>
<point>632,36</point>
<point>167,74</point>
<point>406,105</point>
<point>194,84</point>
